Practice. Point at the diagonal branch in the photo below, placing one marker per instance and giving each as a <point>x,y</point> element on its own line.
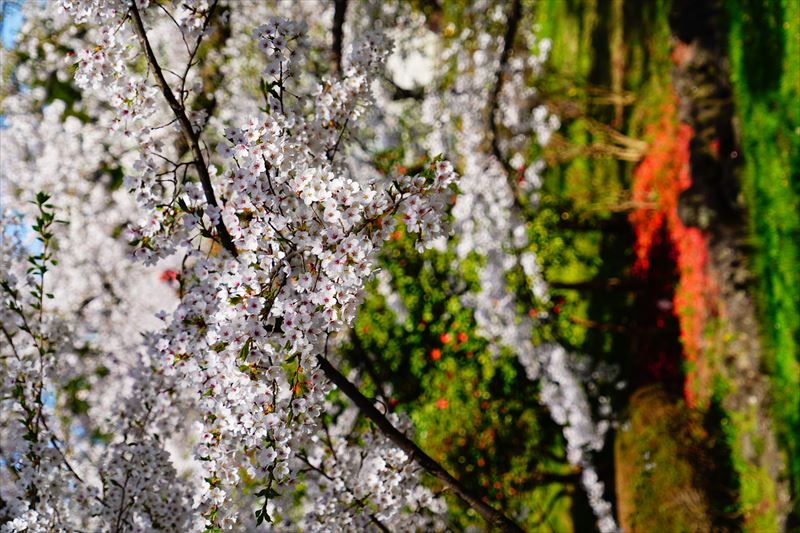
<point>495,518</point>
<point>190,135</point>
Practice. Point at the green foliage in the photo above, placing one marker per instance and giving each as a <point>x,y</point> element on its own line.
<point>476,413</point>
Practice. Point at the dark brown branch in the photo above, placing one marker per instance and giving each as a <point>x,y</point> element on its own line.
<point>339,12</point>
<point>494,517</point>
<point>191,136</point>
<point>332,152</point>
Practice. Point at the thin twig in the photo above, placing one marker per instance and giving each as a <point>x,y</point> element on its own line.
<point>190,61</point>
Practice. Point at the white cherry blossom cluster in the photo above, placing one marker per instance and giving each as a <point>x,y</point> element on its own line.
<point>220,408</point>
<point>237,353</point>
<point>248,330</point>
<point>51,149</point>
<point>273,40</point>
<point>30,342</point>
<point>142,492</point>
<point>52,481</point>
<point>104,67</point>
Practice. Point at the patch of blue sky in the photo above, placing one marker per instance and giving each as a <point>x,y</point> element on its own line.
<point>10,21</point>
<point>10,24</point>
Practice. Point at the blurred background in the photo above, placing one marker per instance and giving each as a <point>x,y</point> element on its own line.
<point>669,233</point>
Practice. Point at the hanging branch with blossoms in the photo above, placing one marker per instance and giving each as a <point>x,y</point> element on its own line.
<point>483,114</point>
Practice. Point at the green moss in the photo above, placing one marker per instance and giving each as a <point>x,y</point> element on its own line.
<point>658,452</point>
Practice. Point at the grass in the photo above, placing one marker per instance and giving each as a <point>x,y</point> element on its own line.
<point>765,65</point>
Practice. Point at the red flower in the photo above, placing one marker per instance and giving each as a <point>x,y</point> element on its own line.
<point>168,275</point>
<point>714,147</point>
<point>442,403</point>
<point>445,338</point>
<point>436,354</point>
